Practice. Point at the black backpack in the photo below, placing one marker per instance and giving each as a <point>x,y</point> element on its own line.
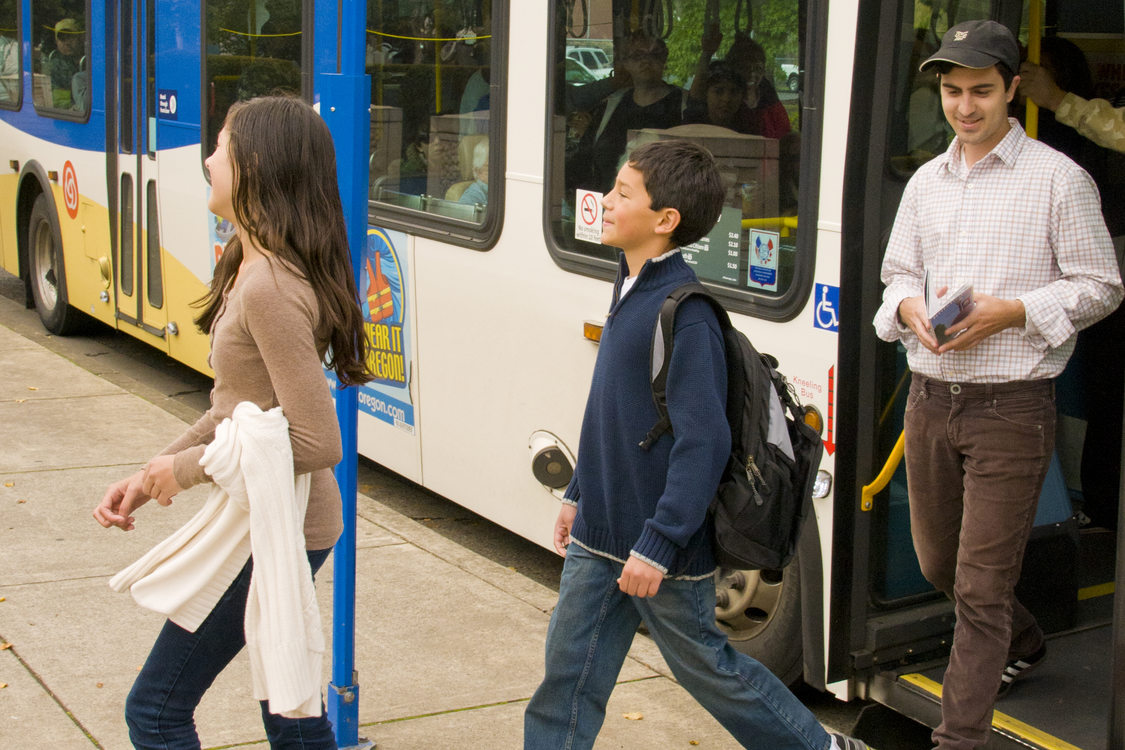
<point>765,491</point>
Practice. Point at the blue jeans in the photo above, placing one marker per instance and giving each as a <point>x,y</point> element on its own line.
<point>180,668</point>
<point>589,636</point>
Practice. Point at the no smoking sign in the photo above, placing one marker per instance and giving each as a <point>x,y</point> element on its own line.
<point>588,222</point>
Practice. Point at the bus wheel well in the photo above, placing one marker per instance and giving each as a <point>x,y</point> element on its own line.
<point>773,615</point>
<point>29,190</point>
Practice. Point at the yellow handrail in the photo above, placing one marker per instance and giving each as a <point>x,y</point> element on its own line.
<point>789,222</point>
<point>1035,31</point>
<point>869,492</point>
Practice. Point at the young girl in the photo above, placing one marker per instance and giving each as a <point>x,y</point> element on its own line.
<point>282,301</point>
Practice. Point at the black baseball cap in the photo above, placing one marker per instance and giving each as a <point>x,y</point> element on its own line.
<point>977,44</point>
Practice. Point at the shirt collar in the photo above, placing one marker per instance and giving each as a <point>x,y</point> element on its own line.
<point>1007,150</point>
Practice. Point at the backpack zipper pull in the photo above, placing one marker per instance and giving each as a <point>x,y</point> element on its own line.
<point>756,480</point>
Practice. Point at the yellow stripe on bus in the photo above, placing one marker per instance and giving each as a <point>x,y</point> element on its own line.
<point>999,720</point>
<point>1093,592</point>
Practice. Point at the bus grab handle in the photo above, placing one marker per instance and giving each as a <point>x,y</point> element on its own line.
<point>869,492</point>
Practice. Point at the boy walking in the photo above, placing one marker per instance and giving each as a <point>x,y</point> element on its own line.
<point>632,523</point>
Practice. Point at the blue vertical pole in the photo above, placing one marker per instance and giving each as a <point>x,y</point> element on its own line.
<point>345,96</point>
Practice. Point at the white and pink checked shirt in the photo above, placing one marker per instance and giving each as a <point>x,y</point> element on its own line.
<point>1023,223</point>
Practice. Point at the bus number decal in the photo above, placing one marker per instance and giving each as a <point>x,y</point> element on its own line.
<point>70,190</point>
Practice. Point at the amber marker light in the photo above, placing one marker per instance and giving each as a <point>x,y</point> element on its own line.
<point>813,419</point>
<point>592,330</point>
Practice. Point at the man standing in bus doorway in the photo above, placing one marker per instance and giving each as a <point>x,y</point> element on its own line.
<point>1021,224</point>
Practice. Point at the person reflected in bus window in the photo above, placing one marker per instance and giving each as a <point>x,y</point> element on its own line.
<point>980,417</point>
<point>66,60</point>
<point>647,102</point>
<point>282,301</point>
<point>632,525</point>
<point>1097,369</point>
<point>477,193</point>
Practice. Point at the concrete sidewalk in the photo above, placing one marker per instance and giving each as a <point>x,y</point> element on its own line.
<point>449,644</point>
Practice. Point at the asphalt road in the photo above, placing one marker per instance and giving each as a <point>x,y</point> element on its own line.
<point>184,392</point>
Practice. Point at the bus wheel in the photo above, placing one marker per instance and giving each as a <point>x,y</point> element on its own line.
<point>45,269</point>
<point>760,611</point>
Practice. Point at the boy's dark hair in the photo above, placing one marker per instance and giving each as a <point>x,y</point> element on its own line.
<point>682,175</point>
<point>1007,74</point>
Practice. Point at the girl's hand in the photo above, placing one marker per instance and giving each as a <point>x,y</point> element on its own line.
<point>120,500</point>
<point>159,481</point>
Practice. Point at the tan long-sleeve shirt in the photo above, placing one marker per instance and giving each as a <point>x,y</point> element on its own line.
<point>264,350</point>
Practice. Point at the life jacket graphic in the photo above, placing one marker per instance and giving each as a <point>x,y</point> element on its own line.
<point>380,301</point>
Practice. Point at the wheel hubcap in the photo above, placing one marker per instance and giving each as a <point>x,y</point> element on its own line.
<point>46,282</point>
<point>746,601</point>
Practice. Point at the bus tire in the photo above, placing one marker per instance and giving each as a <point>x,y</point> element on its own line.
<point>46,273</point>
<point>760,612</point>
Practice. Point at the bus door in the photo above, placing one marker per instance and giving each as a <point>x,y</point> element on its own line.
<point>137,260</point>
<point>900,630</point>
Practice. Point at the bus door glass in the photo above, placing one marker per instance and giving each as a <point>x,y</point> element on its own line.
<point>139,276</point>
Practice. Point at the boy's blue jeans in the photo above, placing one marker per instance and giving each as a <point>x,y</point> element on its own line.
<point>590,633</point>
<point>160,710</point>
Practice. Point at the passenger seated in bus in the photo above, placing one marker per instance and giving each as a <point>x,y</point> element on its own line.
<point>646,102</point>
<point>477,192</point>
<point>632,526</point>
<point>723,102</point>
<point>1096,371</point>
<point>65,61</point>
<point>767,115</point>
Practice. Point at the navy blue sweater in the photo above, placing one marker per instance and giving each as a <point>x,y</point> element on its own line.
<point>653,503</point>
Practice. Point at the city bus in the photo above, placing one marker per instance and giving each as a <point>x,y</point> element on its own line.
<point>485,285</point>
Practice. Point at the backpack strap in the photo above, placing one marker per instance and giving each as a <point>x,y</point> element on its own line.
<point>660,357</point>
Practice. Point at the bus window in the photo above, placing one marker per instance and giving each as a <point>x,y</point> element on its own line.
<point>60,80</point>
<point>252,48</point>
<point>431,107</point>
<point>9,55</point>
<point>718,73</point>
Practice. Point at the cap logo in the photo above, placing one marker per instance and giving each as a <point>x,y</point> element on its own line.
<point>959,36</point>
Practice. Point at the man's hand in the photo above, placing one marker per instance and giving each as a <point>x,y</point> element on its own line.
<point>639,578</point>
<point>159,482</point>
<point>1037,84</point>
<point>912,313</point>
<point>563,525</point>
<point>120,500</point>
<point>989,315</point>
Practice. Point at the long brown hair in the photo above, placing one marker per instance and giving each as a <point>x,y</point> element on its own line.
<point>287,202</point>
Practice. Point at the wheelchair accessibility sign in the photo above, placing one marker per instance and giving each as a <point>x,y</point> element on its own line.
<point>826,313</point>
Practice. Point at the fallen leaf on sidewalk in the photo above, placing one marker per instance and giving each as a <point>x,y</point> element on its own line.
<point>3,685</point>
<point>693,742</point>
<point>32,388</point>
<point>99,684</point>
<point>635,716</point>
<point>5,646</point>
<point>9,484</point>
<point>21,502</point>
<point>3,598</point>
